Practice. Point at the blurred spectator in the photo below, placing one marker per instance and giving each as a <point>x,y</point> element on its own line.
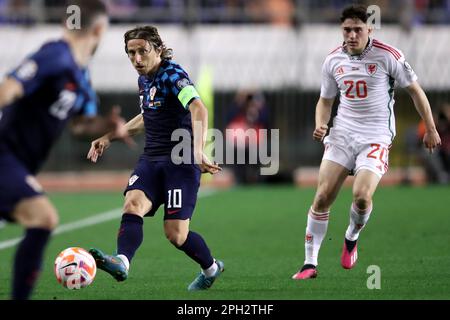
<point>222,11</point>
<point>327,11</point>
<point>437,164</point>
<point>122,10</point>
<point>248,113</point>
<point>3,6</point>
<point>275,12</point>
<point>280,12</point>
<point>16,12</point>
<point>164,11</point>
<point>432,11</point>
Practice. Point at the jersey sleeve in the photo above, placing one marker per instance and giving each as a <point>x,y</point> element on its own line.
<point>89,108</point>
<point>37,68</point>
<point>86,103</point>
<point>402,71</point>
<point>88,98</point>
<point>329,87</point>
<point>182,87</point>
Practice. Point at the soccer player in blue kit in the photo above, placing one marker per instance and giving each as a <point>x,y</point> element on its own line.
<point>37,99</point>
<point>169,102</point>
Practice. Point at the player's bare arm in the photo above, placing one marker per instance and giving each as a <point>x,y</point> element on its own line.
<point>323,114</point>
<point>10,91</point>
<point>431,138</point>
<point>85,126</point>
<point>131,128</point>
<point>199,127</point>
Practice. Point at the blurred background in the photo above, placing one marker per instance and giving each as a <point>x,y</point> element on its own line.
<point>256,64</point>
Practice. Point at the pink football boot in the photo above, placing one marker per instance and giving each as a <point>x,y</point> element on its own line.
<point>348,259</point>
<point>309,272</point>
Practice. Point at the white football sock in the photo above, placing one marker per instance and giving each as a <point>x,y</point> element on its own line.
<point>124,260</point>
<point>211,270</point>
<point>316,229</point>
<point>358,219</point>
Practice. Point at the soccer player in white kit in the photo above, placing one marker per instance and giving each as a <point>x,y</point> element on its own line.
<point>363,71</point>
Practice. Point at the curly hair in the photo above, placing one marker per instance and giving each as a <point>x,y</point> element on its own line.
<point>150,34</point>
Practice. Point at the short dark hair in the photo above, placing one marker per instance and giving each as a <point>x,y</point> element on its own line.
<point>356,11</point>
<point>90,10</point>
<point>150,34</point>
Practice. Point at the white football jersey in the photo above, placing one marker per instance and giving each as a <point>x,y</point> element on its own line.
<point>366,86</point>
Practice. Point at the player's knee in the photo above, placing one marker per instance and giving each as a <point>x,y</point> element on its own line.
<point>133,206</point>
<point>36,212</point>
<point>51,220</point>
<point>176,238</point>
<point>45,220</point>
<point>322,202</point>
<point>362,199</point>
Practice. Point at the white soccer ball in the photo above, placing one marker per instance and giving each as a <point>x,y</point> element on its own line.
<point>75,268</point>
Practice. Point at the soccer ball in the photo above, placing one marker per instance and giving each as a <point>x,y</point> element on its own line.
<point>75,268</point>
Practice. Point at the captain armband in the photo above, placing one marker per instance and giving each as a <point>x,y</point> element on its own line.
<point>187,94</point>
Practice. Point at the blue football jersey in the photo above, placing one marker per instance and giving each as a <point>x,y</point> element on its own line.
<point>164,100</point>
<point>56,89</point>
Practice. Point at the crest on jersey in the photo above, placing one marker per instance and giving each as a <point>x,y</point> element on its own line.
<point>152,93</point>
<point>33,183</point>
<point>407,66</point>
<point>132,180</point>
<point>183,83</point>
<point>371,68</point>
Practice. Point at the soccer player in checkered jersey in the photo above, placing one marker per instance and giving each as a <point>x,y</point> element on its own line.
<point>363,71</point>
<point>169,101</point>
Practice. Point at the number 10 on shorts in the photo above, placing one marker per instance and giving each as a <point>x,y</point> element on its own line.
<point>174,198</point>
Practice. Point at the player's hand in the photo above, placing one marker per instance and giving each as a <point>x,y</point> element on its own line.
<point>320,132</point>
<point>119,130</point>
<point>431,140</point>
<point>97,148</point>
<point>207,165</point>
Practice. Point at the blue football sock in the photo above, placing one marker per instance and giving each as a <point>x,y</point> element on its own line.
<point>130,235</point>
<point>28,261</point>
<point>195,247</point>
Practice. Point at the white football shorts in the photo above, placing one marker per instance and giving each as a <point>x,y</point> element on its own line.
<point>353,152</point>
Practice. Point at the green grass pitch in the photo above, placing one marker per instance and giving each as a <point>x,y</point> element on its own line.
<point>258,232</point>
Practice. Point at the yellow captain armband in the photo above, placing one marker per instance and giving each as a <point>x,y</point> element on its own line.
<point>187,94</point>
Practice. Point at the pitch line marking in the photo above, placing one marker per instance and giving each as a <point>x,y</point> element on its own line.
<point>87,222</point>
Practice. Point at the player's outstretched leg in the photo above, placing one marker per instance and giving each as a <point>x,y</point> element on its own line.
<point>129,238</point>
<point>203,282</point>
<point>358,219</point>
<point>112,264</point>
